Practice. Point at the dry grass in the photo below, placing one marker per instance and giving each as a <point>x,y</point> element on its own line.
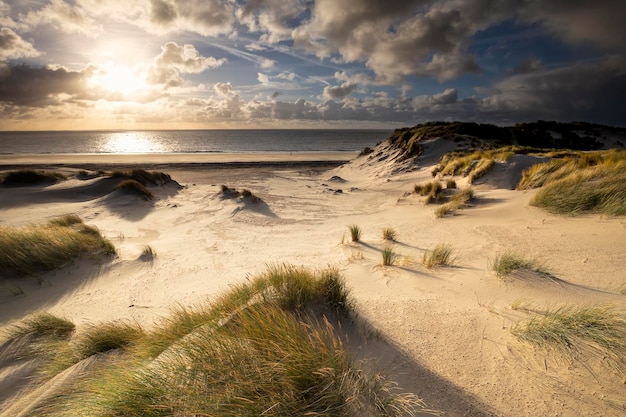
<point>508,262</point>
<point>459,200</point>
<point>442,255</point>
<point>390,256</point>
<point>257,350</point>
<point>595,330</point>
<point>355,233</point>
<point>27,177</point>
<point>37,248</point>
<point>389,234</point>
<point>433,191</point>
<point>586,182</point>
<point>135,188</point>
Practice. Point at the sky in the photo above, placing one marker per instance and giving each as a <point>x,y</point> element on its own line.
<point>220,64</point>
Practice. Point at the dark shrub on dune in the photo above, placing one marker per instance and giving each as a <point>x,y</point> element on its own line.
<point>136,188</point>
<point>30,177</point>
<point>144,177</point>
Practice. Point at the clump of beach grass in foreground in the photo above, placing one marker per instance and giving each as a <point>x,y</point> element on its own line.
<point>136,188</point>
<point>266,347</point>
<point>355,233</point>
<point>450,184</point>
<point>389,234</point>
<point>442,255</point>
<point>26,177</point>
<point>390,256</point>
<point>574,330</point>
<point>508,262</point>
<point>37,248</point>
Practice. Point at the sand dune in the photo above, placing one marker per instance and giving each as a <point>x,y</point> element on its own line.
<point>443,332</point>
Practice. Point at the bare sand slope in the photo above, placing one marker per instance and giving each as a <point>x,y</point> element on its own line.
<point>444,332</point>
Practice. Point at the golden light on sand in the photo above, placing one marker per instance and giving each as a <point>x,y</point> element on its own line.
<point>131,142</point>
<point>117,78</point>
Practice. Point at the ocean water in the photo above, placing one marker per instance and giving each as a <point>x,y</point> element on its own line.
<point>188,141</point>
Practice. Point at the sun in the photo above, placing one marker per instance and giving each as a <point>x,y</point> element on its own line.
<point>120,79</point>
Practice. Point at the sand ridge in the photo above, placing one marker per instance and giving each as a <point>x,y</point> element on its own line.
<point>444,332</point>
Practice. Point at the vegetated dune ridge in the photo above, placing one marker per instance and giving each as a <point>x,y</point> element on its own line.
<point>445,333</point>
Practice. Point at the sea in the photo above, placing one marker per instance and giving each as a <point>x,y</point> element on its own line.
<point>188,141</point>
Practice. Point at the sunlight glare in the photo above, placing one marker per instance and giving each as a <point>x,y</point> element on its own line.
<point>118,79</point>
<point>132,143</point>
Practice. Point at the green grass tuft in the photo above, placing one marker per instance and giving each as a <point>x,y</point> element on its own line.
<point>597,330</point>
<point>43,325</point>
<point>355,233</point>
<point>442,255</point>
<point>509,262</point>
<point>390,256</point>
<point>37,248</point>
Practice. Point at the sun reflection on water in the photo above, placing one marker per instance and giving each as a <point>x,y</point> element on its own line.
<point>132,142</point>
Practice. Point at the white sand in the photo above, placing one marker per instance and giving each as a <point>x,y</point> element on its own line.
<point>445,332</point>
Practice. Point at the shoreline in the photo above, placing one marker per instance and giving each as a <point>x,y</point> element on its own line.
<point>178,161</point>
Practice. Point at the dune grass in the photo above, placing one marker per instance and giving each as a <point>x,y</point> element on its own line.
<point>459,200</point>
<point>42,325</point>
<point>258,349</point>
<point>37,248</point>
<point>433,191</point>
<point>572,330</point>
<point>143,177</point>
<point>508,262</point>
<point>389,234</point>
<point>27,177</point>
<point>583,183</point>
<point>135,188</point>
<point>442,255</point>
<point>390,256</point>
<point>355,233</point>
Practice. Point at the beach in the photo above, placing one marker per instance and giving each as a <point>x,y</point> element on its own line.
<point>443,332</point>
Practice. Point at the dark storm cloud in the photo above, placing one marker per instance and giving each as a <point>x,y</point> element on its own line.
<point>23,85</point>
<point>585,91</point>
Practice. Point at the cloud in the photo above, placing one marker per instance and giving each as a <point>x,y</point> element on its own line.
<point>599,22</point>
<point>23,85</point>
<point>174,60</point>
<point>272,17</point>
<point>396,38</point>
<point>339,92</point>
<point>582,91</point>
<point>449,96</point>
<point>224,89</point>
<point>531,64</point>
<point>12,46</point>
<point>66,17</point>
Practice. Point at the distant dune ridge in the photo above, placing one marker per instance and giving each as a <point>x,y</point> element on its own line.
<point>478,267</point>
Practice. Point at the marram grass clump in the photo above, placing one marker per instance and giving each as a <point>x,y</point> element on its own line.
<point>135,188</point>
<point>574,330</point>
<point>266,347</point>
<point>441,255</point>
<point>26,177</point>
<point>508,262</point>
<point>31,249</point>
<point>583,183</point>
